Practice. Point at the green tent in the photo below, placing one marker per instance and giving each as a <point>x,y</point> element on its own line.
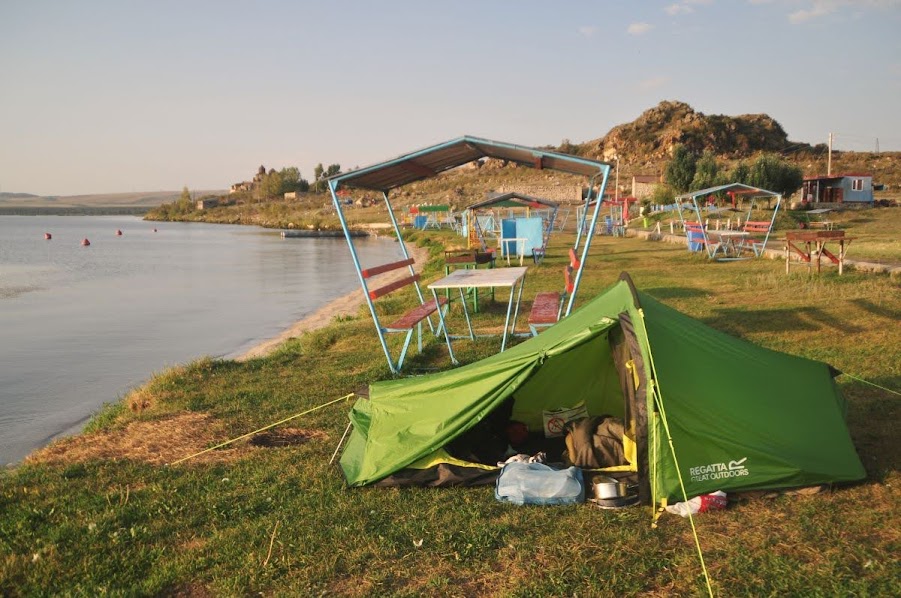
<point>740,417</point>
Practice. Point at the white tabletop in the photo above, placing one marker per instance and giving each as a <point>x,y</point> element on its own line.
<point>728,233</point>
<point>492,277</point>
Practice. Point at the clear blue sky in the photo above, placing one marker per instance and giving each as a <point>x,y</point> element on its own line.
<point>106,96</point>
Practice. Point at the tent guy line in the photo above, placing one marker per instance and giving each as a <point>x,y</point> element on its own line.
<point>287,419</point>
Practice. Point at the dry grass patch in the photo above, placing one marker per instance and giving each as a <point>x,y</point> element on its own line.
<point>158,442</point>
<point>285,437</point>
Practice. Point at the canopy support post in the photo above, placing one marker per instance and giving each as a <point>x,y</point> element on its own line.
<point>594,222</point>
<point>333,188</point>
<point>406,254</point>
<point>694,201</point>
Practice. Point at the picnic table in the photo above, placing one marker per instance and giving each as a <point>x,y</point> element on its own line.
<point>461,280</point>
<point>817,223</point>
<point>731,242</point>
<point>468,258</point>
<point>811,244</point>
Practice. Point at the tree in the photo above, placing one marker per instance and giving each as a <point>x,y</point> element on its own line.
<point>741,173</point>
<point>184,203</point>
<point>272,184</point>
<point>680,170</point>
<point>320,175</point>
<point>772,173</point>
<point>292,181</point>
<point>706,172</point>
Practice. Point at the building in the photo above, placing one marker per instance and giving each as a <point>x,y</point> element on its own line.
<point>564,193</point>
<point>643,185</point>
<point>250,185</point>
<point>839,188</point>
<point>204,204</point>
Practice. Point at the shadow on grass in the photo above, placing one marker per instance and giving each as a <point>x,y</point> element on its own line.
<point>878,310</point>
<point>873,416</point>
<point>776,320</point>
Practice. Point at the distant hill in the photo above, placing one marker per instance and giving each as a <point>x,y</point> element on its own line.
<point>10,196</point>
<point>146,199</point>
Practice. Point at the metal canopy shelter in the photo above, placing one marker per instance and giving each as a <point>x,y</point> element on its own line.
<point>431,161</point>
<point>518,200</point>
<point>732,189</point>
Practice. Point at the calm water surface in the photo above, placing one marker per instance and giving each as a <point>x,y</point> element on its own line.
<point>79,326</point>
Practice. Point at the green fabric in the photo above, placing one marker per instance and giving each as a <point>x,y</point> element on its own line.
<point>726,399</point>
<point>407,419</point>
<point>775,417</point>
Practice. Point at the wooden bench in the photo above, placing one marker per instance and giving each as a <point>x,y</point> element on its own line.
<point>757,228</point>
<point>547,307</point>
<point>412,318</point>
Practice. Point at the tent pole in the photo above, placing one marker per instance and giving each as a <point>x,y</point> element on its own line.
<point>669,437</point>
<point>333,188</point>
<point>340,442</point>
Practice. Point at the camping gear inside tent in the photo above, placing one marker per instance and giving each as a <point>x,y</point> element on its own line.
<point>690,406</point>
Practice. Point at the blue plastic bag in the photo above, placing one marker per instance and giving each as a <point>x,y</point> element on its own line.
<point>538,484</point>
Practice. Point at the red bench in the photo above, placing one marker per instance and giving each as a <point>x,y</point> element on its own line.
<point>547,307</point>
<point>757,228</point>
<point>412,318</point>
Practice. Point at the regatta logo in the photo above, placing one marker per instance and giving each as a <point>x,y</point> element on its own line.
<point>719,471</point>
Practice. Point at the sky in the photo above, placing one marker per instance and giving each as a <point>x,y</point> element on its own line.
<point>129,95</point>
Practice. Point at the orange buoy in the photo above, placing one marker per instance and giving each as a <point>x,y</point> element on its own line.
<point>85,242</point>
<point>48,236</point>
<point>118,233</point>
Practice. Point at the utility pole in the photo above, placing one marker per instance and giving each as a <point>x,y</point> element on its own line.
<point>616,189</point>
<point>877,145</point>
<point>829,159</point>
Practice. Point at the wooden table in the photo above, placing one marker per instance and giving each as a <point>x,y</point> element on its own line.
<point>466,279</point>
<point>811,244</point>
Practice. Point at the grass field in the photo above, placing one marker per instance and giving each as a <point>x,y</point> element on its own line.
<point>104,514</point>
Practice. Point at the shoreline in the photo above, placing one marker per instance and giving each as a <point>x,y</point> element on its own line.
<point>345,305</point>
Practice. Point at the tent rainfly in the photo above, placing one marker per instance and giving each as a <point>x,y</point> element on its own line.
<point>699,408</point>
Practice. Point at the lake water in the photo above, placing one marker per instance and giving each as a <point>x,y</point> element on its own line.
<point>79,326</point>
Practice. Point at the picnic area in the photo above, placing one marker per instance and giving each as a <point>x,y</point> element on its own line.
<point>270,514</point>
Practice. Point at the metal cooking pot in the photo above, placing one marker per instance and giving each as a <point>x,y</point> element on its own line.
<point>603,487</point>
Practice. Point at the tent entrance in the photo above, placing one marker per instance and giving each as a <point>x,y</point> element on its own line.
<point>603,376</point>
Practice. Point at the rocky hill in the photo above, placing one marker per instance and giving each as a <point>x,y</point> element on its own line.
<point>652,135</point>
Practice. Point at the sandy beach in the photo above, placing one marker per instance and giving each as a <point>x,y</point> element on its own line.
<point>346,305</point>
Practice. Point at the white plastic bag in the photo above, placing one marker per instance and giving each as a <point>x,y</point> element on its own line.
<point>699,504</point>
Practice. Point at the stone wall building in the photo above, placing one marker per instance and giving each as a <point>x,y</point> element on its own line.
<point>643,185</point>
<point>560,193</point>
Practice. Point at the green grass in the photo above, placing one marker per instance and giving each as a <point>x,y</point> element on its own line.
<point>126,527</point>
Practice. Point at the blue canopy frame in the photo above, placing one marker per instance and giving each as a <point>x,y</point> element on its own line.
<point>431,161</point>
<point>737,188</point>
